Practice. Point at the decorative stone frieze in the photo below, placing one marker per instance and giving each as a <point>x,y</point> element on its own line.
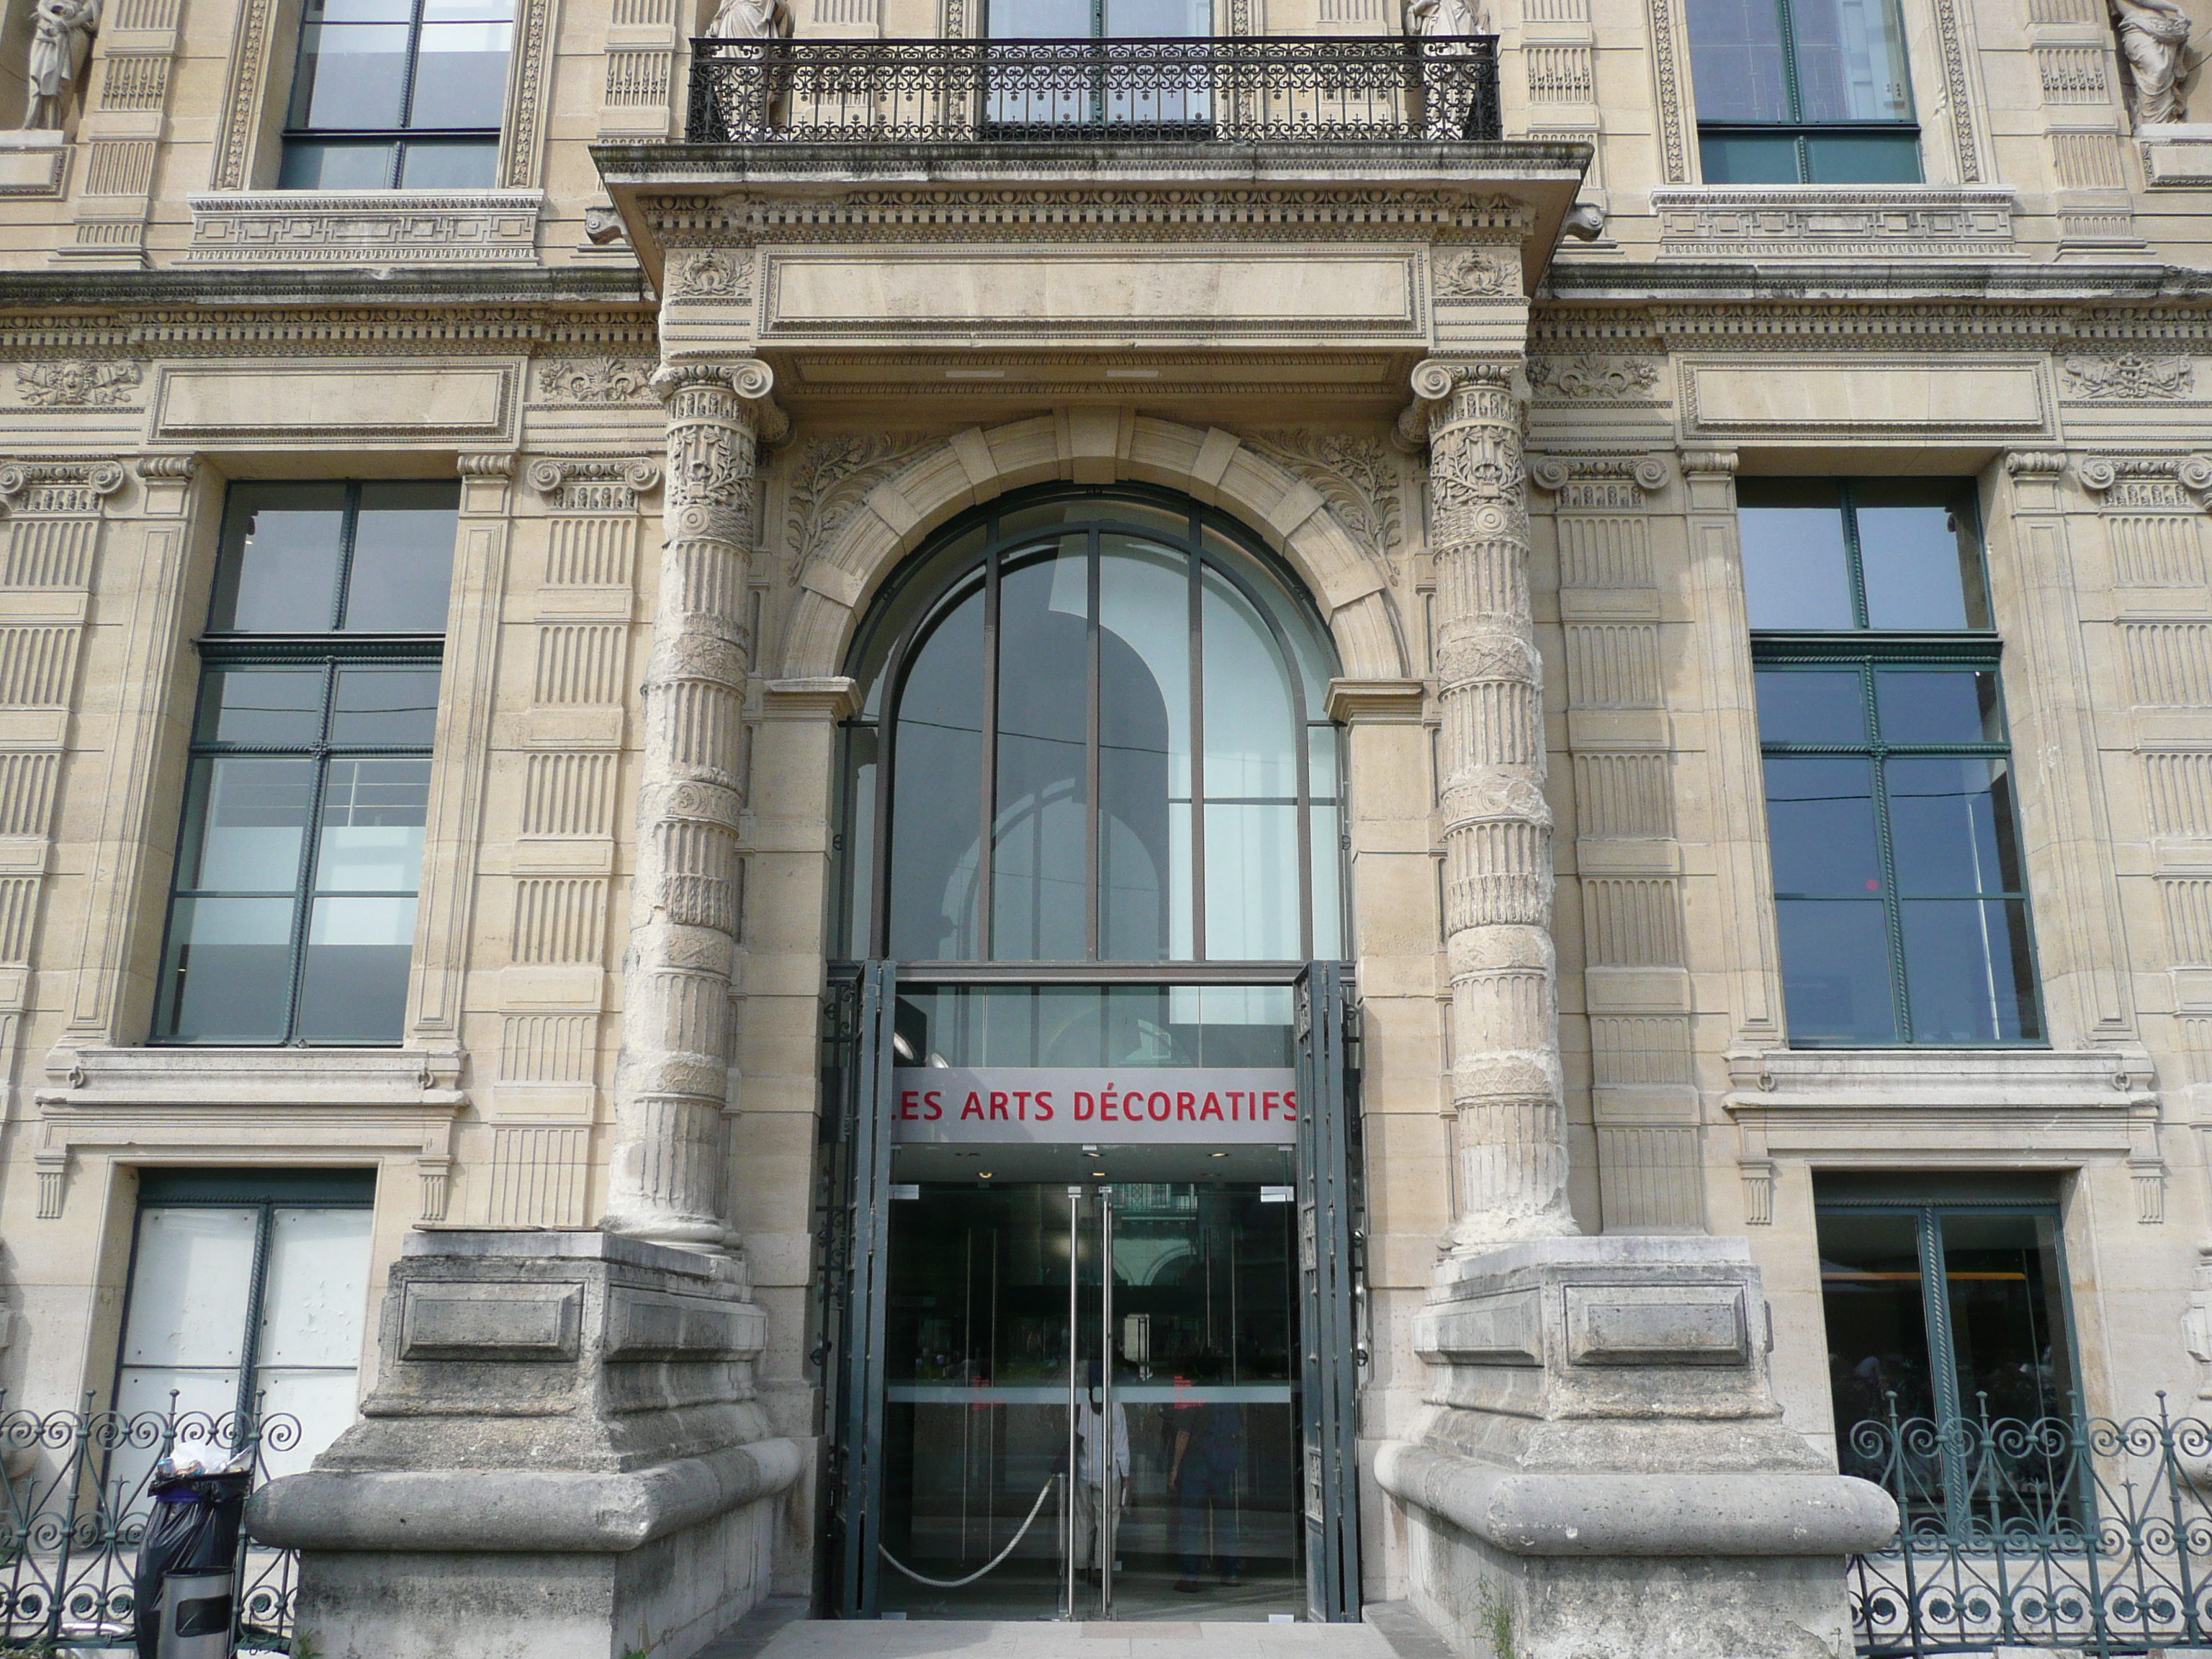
<point>672,1079</point>
<point>386,228</point>
<point>1814,222</point>
<point>1505,1076</point>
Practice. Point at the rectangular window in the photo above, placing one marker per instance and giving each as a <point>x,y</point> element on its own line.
<point>248,1295</point>
<point>1900,894</point>
<point>293,914</point>
<point>1946,1320</point>
<point>1811,92</point>
<point>401,94</point>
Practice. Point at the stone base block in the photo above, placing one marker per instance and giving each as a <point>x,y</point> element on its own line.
<point>1602,1472</point>
<point>1490,1604</point>
<point>666,1598</point>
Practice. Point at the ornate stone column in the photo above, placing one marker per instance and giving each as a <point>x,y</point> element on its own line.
<point>671,1079</point>
<point>1511,1142</point>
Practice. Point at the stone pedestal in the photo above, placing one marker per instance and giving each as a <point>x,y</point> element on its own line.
<point>1602,1472</point>
<point>561,1459</point>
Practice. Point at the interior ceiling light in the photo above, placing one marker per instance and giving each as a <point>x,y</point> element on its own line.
<point>1217,1154</point>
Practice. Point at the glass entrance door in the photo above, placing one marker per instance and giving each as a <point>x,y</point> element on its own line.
<point>1091,1406</point>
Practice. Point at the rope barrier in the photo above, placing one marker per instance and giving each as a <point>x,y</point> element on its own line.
<point>1043,1492</point>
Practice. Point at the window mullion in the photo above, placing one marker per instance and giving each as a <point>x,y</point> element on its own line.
<point>310,859</point>
<point>1853,563</point>
<point>1197,567</point>
<point>987,838</point>
<point>1787,25</point>
<point>1886,852</point>
<point>1093,805</point>
<point>249,1347</point>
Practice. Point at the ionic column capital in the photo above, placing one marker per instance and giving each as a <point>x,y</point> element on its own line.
<point>1438,380</point>
<point>745,382</point>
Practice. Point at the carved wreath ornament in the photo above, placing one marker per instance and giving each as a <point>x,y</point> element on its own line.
<point>76,384</point>
<point>2127,377</point>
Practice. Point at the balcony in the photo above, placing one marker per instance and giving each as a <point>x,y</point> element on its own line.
<point>1211,92</point>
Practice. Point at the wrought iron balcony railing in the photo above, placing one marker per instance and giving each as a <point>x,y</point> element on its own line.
<point>1380,90</point>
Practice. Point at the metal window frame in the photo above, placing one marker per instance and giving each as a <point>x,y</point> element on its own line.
<point>1865,650</point>
<point>1796,128</point>
<point>953,588</point>
<point>248,1190</point>
<point>1927,1215</point>
<point>331,652</point>
<point>399,138</point>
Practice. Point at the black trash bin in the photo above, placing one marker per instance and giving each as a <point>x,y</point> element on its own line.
<point>191,1544</point>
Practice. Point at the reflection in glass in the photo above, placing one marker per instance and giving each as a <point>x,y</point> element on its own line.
<point>1836,970</point>
<point>980,1346</point>
<point>1077,1025</point>
<point>1968,970</point>
<point>353,980</point>
<point>1871,1296</point>
<point>373,817</point>
<point>402,558</point>
<point>460,64</point>
<point>1939,705</point>
<point>1851,61</point>
<point>278,572</point>
<point>1820,820</point>
<point>1040,845</point>
<point>1951,818</point>
<point>1920,556</point>
<point>935,839</point>
<point>1144,752</point>
<point>1736,61</point>
<point>1151,738</point>
<point>245,819</point>
<point>226,975</point>
<point>1816,706</point>
<point>261,708</point>
<point>384,708</point>
<point>1796,574</point>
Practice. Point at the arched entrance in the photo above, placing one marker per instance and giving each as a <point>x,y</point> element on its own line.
<point>1090,1310</point>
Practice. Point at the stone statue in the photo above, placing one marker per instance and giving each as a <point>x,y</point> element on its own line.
<point>753,20</point>
<point>59,46</point>
<point>2154,38</point>
<point>1443,17</point>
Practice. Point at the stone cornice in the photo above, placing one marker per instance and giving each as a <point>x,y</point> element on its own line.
<point>75,292</point>
<point>1738,282</point>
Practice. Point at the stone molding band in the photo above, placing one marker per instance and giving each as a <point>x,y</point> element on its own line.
<point>530,1511</point>
<point>1602,1513</point>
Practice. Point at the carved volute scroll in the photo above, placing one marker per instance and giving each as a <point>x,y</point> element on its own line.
<point>1506,1078</point>
<point>672,1080</point>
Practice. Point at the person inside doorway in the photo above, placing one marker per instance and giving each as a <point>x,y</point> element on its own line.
<point>1209,1452</point>
<point>1091,1455</point>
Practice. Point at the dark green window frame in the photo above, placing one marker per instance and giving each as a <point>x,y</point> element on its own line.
<point>333,654</point>
<point>1802,150</point>
<point>1866,652</point>
<point>263,1192</point>
<point>1941,1493</point>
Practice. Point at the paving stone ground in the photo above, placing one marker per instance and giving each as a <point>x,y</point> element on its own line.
<point>779,1629</point>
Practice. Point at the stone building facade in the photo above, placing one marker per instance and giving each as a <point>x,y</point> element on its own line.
<point>1554,436</point>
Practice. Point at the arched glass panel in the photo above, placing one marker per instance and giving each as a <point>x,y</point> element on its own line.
<point>1091,730</point>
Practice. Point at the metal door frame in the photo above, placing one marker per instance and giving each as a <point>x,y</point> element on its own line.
<point>858,1283</point>
<point>1333,1324</point>
<point>1331,1282</point>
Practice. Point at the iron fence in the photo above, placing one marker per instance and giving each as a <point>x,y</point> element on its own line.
<point>74,1507</point>
<point>1365,89</point>
<point>2087,1535</point>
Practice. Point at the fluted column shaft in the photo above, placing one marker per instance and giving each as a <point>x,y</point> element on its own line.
<point>1505,1081</point>
<point>671,1079</point>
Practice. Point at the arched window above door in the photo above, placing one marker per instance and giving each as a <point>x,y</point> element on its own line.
<point>1127,691</point>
